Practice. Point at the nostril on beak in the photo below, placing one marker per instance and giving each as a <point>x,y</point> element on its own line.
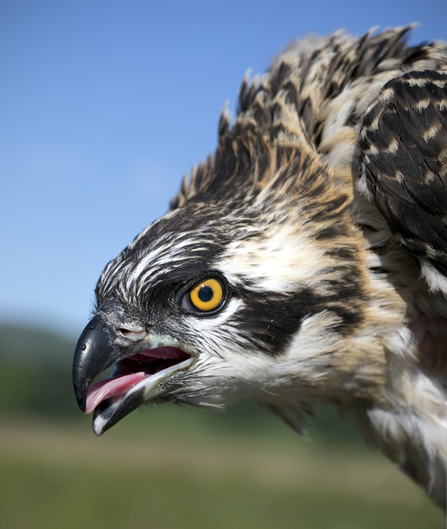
<point>124,332</point>
<point>134,335</point>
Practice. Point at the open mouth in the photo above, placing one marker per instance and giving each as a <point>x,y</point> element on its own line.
<point>131,371</point>
<point>136,379</point>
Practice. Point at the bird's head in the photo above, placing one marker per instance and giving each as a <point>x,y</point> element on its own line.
<point>246,288</point>
<point>221,300</point>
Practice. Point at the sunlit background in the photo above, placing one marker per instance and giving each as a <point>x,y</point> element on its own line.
<point>104,105</point>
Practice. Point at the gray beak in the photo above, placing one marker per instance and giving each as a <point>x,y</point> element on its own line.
<point>95,352</point>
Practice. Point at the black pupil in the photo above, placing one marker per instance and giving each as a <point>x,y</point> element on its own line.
<point>205,294</point>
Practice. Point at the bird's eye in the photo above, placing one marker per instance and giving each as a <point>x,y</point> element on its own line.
<point>207,294</point>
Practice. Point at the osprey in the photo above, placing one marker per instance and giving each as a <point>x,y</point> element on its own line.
<point>305,261</point>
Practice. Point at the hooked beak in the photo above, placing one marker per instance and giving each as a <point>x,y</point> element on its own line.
<point>140,367</point>
<point>94,353</point>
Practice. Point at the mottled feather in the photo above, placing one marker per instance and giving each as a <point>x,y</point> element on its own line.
<point>404,152</point>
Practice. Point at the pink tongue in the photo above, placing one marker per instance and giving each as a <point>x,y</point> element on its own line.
<point>111,387</point>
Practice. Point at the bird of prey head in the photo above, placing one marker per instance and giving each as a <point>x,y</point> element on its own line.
<point>287,268</point>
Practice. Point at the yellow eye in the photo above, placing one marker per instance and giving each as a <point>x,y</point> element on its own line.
<point>207,294</point>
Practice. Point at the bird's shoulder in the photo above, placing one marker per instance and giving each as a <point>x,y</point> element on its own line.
<point>404,160</point>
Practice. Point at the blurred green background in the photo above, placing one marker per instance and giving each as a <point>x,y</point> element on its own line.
<point>176,468</point>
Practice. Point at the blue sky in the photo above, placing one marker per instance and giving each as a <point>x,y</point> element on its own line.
<point>104,105</point>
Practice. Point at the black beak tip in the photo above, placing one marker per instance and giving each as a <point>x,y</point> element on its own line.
<point>82,403</point>
<point>84,368</point>
<point>80,383</point>
<point>94,353</point>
